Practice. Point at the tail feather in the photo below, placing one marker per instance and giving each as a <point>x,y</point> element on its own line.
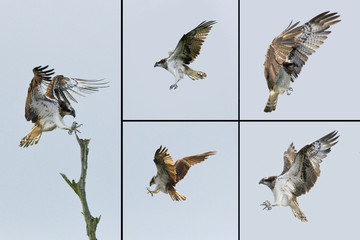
<point>175,195</point>
<point>32,137</point>
<point>194,75</point>
<point>272,101</point>
<point>296,211</point>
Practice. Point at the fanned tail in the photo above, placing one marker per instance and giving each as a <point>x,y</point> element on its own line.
<point>175,195</point>
<point>32,138</point>
<point>194,75</point>
<point>272,101</point>
<point>296,211</point>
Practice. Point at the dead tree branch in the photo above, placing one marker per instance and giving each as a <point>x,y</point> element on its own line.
<point>79,189</point>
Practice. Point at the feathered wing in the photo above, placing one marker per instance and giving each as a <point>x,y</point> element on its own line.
<point>291,49</point>
<point>306,167</point>
<point>60,87</point>
<point>313,34</point>
<point>35,95</point>
<point>289,157</point>
<point>164,163</point>
<point>190,44</point>
<point>183,165</point>
<point>278,51</point>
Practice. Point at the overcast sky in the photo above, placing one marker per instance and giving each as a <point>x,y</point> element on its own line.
<point>327,84</point>
<point>151,30</point>
<point>77,39</point>
<point>330,206</point>
<point>211,208</point>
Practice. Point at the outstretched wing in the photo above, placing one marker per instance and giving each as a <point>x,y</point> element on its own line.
<point>182,165</point>
<point>289,157</point>
<point>313,34</point>
<point>61,87</point>
<point>295,44</point>
<point>190,44</point>
<point>33,106</point>
<point>306,168</point>
<point>278,51</point>
<point>164,163</point>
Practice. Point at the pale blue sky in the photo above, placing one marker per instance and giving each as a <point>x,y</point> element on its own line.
<point>78,39</point>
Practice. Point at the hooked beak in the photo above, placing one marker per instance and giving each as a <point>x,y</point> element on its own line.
<point>261,181</point>
<point>72,113</point>
<point>155,65</point>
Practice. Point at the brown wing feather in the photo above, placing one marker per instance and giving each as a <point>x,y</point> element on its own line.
<point>190,44</point>
<point>164,163</point>
<point>306,167</point>
<point>61,86</point>
<point>182,165</point>
<point>289,157</point>
<point>313,34</point>
<point>34,91</point>
<point>278,50</point>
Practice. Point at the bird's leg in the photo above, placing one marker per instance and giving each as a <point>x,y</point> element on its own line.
<point>152,192</point>
<point>267,205</point>
<point>174,86</point>
<point>289,91</point>
<point>74,127</point>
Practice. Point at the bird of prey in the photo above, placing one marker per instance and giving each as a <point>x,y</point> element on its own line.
<point>288,53</point>
<point>48,110</point>
<point>301,170</point>
<point>169,174</point>
<point>185,52</point>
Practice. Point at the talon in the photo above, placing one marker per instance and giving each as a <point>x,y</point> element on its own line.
<point>74,127</point>
<point>149,191</point>
<point>289,91</point>
<point>267,205</point>
<point>174,86</point>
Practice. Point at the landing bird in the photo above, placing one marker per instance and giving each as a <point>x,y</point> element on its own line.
<point>48,110</point>
<point>185,52</point>
<point>288,53</point>
<point>301,170</point>
<point>169,174</point>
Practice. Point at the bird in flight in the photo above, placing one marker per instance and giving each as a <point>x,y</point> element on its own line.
<point>288,53</point>
<point>300,172</point>
<point>48,110</point>
<point>169,174</point>
<point>185,52</point>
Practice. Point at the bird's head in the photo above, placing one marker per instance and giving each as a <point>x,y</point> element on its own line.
<point>268,181</point>
<point>152,181</point>
<point>66,109</point>
<point>162,63</point>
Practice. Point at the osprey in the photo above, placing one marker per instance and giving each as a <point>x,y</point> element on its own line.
<point>48,110</point>
<point>289,51</point>
<point>185,52</point>
<point>169,174</point>
<point>301,170</point>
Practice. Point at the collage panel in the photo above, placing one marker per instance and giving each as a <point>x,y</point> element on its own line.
<point>152,29</point>
<point>323,74</point>
<point>210,210</point>
<point>330,205</point>
<point>35,201</point>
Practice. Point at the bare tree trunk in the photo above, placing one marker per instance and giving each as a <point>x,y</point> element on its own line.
<point>79,188</point>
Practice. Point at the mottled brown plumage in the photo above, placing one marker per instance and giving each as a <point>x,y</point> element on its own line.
<point>301,170</point>
<point>169,174</point>
<point>288,53</point>
<point>187,49</point>
<point>47,110</point>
